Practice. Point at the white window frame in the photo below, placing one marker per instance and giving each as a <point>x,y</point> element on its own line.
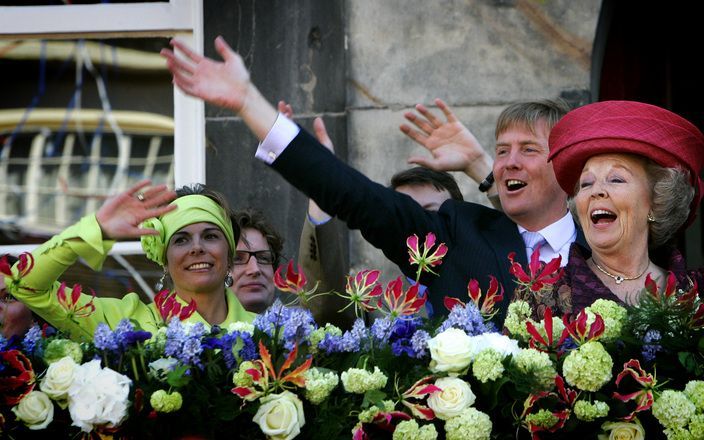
<point>177,18</point>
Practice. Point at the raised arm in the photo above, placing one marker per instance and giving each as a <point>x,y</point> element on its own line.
<point>223,83</point>
<point>386,218</point>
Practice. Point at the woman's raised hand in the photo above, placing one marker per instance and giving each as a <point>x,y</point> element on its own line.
<point>121,214</point>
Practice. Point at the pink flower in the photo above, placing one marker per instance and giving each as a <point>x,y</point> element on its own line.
<point>423,257</point>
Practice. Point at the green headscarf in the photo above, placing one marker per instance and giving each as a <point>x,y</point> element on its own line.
<point>191,209</point>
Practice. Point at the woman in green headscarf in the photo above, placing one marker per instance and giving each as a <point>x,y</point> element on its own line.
<point>192,238</point>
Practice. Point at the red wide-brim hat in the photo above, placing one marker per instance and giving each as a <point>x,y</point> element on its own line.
<point>626,127</point>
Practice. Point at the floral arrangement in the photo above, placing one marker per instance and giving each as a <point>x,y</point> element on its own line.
<point>400,377</point>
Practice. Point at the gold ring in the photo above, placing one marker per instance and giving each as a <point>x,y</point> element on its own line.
<point>140,197</point>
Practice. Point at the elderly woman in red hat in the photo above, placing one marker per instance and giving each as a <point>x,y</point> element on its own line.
<point>632,171</point>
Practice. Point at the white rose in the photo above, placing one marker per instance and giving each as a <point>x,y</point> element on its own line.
<point>35,410</point>
<point>97,396</point>
<point>501,343</point>
<point>450,351</point>
<point>456,395</point>
<point>622,431</point>
<point>58,379</point>
<point>280,416</point>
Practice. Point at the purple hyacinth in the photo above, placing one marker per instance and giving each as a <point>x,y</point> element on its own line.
<point>297,326</point>
<point>419,342</point>
<point>651,345</point>
<point>467,318</point>
<point>104,339</point>
<point>381,329</point>
<point>31,342</point>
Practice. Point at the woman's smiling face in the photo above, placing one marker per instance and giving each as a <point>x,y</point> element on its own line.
<point>197,258</point>
<point>613,200</point>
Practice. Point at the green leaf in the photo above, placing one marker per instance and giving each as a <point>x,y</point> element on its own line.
<point>373,397</point>
<point>177,378</point>
<point>225,407</point>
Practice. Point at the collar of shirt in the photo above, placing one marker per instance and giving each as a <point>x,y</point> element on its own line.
<point>559,236</point>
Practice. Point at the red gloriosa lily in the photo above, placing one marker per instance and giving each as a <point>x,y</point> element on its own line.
<point>362,289</point>
<point>420,390</point>
<point>70,302</point>
<point>541,276</point>
<point>293,282</point>
<point>643,397</point>
<point>485,303</point>
<point>400,303</point>
<point>17,378</point>
<point>169,307</point>
<point>580,331</point>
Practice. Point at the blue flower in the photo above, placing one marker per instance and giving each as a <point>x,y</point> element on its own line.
<point>419,342</point>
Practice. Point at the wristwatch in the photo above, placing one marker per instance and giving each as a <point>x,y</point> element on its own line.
<point>487,182</point>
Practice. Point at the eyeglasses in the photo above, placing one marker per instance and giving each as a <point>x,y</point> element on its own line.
<point>262,257</point>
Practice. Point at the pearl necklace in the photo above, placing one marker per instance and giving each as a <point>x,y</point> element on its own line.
<point>618,278</point>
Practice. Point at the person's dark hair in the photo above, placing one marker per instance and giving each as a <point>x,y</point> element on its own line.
<point>527,114</point>
<point>253,219</point>
<point>217,197</point>
<point>440,180</point>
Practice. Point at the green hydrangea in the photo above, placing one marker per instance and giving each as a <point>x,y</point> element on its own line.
<point>614,317</point>
<point>590,411</point>
<point>518,313</point>
<point>696,425</point>
<point>317,335</point>
<point>241,326</point>
<point>673,409</point>
<point>358,380</point>
<point>470,424</point>
<point>60,348</point>
<point>543,419</point>
<point>588,367</point>
<point>537,366</point>
<point>488,365</point>
<point>679,434</point>
<point>165,402</point>
<point>368,415</point>
<point>694,390</point>
<point>409,430</point>
<point>319,384</point>
<point>241,378</point>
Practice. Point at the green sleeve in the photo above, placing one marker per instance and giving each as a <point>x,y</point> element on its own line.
<point>38,289</point>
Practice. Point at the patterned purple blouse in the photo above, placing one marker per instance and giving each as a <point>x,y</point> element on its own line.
<point>580,286</point>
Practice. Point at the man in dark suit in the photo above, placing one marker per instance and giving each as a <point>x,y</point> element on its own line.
<point>479,238</point>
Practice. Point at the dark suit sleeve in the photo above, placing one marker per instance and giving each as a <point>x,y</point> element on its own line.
<point>385,217</point>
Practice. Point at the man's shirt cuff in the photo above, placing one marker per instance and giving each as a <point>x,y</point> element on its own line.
<point>276,141</point>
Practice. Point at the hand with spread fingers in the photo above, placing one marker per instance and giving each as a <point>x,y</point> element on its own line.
<point>452,145</point>
<point>121,215</point>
